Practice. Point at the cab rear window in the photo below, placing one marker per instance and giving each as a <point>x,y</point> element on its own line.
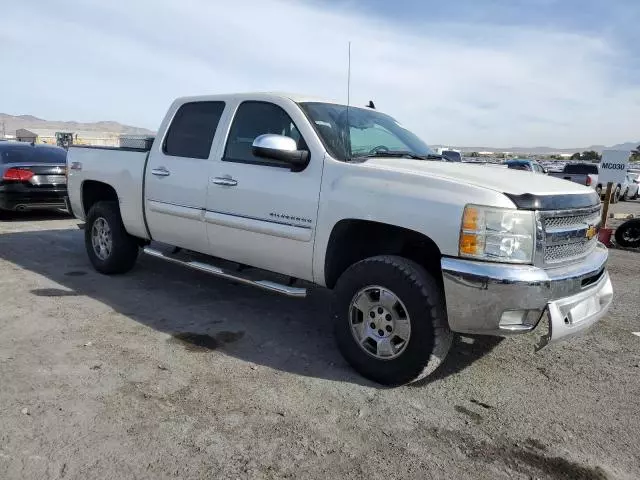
<point>192,130</point>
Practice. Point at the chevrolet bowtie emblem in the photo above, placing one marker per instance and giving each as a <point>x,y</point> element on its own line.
<point>591,232</point>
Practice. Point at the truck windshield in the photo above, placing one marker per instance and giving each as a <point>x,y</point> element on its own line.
<point>369,133</point>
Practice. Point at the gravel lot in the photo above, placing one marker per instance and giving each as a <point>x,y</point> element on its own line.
<point>169,373</point>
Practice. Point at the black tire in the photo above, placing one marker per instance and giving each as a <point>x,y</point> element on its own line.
<point>599,190</point>
<point>615,195</point>
<point>124,248</point>
<point>625,197</point>
<point>430,337</point>
<point>628,234</point>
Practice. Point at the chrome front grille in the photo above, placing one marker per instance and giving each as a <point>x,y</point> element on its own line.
<point>568,251</point>
<point>567,235</point>
<point>570,221</point>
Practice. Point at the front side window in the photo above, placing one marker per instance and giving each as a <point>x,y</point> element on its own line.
<point>252,120</point>
<point>192,130</point>
<point>353,132</point>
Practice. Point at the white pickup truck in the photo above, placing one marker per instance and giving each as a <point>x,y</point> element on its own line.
<point>277,190</point>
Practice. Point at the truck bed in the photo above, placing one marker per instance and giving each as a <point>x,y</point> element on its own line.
<point>120,167</point>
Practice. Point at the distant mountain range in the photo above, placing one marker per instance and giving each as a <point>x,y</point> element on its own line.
<point>13,122</point>
<point>10,123</point>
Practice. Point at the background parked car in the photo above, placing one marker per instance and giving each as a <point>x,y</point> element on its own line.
<point>582,173</point>
<point>32,176</point>
<point>631,187</point>
<point>525,164</point>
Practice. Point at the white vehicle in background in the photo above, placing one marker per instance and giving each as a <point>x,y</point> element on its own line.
<point>630,187</point>
<point>286,188</point>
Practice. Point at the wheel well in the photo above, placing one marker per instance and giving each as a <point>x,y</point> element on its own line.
<point>93,192</point>
<point>355,240</point>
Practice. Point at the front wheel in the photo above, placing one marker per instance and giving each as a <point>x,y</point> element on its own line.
<point>391,324</point>
<point>110,248</point>
<point>628,234</point>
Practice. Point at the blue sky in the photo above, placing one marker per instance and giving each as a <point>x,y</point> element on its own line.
<point>562,73</point>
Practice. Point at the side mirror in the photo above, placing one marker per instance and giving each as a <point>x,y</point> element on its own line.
<point>281,148</point>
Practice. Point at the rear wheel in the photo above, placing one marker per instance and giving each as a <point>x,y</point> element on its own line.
<point>110,248</point>
<point>625,196</point>
<point>615,195</point>
<point>628,234</point>
<point>391,324</point>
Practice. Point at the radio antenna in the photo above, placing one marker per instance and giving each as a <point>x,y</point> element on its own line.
<point>348,129</point>
<point>349,78</point>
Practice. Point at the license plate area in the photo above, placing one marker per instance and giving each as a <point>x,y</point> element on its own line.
<point>48,180</point>
<point>573,315</point>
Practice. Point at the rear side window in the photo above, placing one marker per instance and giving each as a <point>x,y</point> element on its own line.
<point>192,130</point>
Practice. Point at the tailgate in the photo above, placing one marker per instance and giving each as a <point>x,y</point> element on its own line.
<point>580,178</point>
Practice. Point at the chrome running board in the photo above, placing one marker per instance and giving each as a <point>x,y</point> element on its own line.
<point>219,272</point>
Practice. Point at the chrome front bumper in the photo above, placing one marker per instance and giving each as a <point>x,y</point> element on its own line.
<point>501,299</point>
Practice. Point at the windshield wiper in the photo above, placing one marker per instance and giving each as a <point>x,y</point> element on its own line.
<point>400,154</point>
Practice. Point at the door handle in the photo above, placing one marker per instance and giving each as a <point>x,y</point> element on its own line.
<point>226,181</point>
<point>160,172</point>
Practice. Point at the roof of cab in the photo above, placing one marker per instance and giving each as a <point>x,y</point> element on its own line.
<point>267,96</point>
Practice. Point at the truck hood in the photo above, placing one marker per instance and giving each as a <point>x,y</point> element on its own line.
<point>504,180</point>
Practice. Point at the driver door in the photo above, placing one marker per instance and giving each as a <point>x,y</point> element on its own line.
<point>259,212</point>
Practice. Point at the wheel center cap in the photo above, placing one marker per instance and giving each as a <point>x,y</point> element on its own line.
<point>380,322</point>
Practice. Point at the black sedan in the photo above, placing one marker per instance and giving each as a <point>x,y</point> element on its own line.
<point>32,176</point>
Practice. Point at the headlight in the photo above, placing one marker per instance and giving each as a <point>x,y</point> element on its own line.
<point>497,234</point>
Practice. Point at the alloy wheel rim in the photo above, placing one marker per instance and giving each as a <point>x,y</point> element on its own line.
<point>631,234</point>
<point>379,322</point>
<point>101,238</point>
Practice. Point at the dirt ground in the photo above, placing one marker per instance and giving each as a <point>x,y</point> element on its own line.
<point>169,373</point>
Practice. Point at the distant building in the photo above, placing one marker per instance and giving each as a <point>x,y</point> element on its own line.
<point>80,137</point>
<point>24,135</point>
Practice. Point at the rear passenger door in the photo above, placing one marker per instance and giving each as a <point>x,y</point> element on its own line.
<point>176,177</point>
<point>260,212</point>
